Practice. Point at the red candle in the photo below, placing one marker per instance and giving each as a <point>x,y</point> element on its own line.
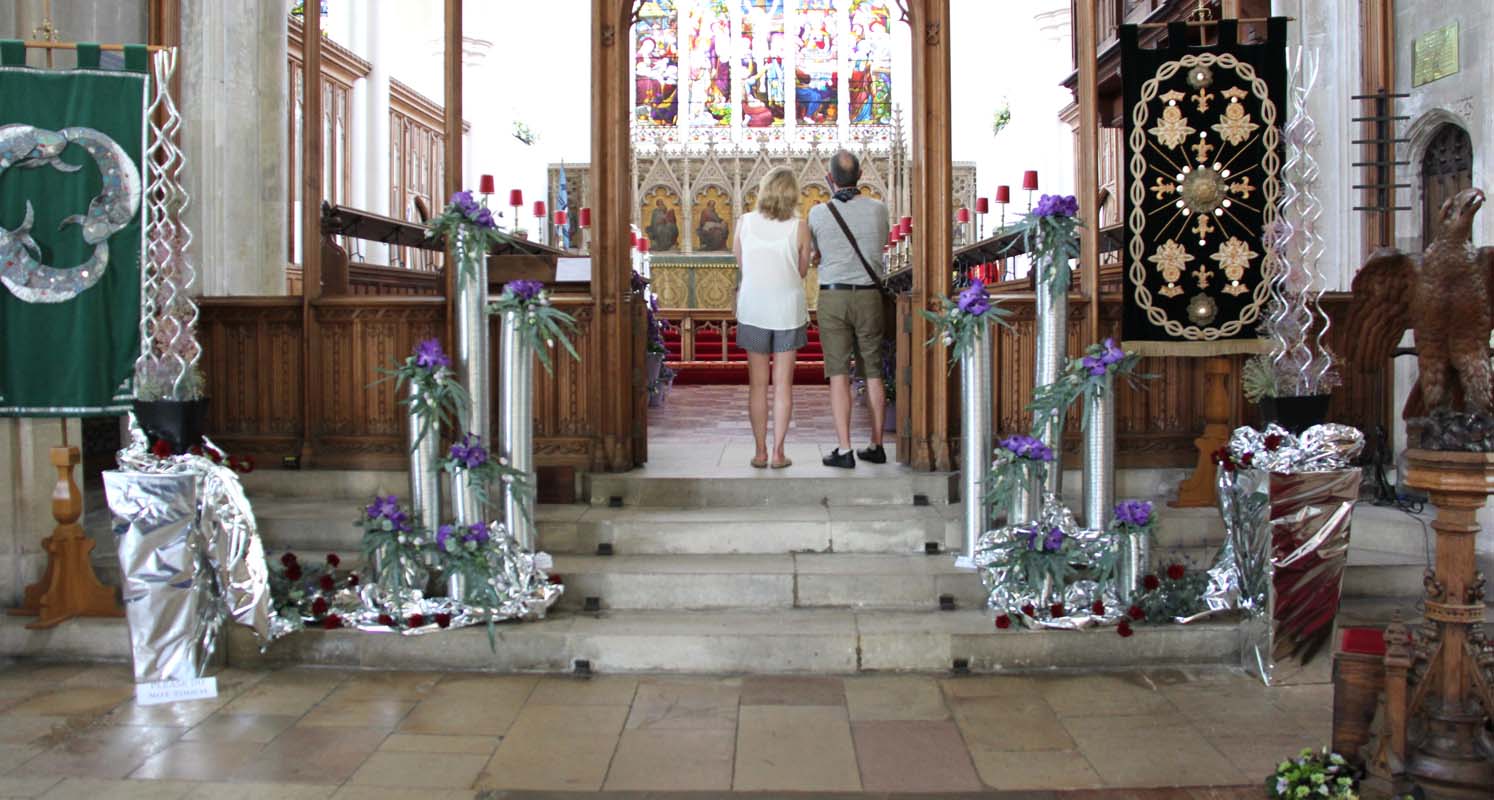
<point>905,227</point>
<point>560,218</point>
<point>516,197</point>
<point>485,184</point>
<point>1029,180</point>
<point>539,209</point>
<point>643,244</point>
<point>892,238</point>
<point>585,219</point>
<point>1003,194</point>
<point>963,215</point>
<point>632,238</point>
<point>982,205</point>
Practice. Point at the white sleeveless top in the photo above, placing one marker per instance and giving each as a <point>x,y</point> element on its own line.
<point>772,293</point>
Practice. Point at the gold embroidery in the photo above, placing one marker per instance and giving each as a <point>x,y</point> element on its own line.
<point>1242,188</point>
<point>1171,259</point>
<point>1202,98</point>
<point>1162,188</point>
<point>1203,225</point>
<point>1235,126</point>
<point>1172,130</point>
<point>1203,273</point>
<point>1202,149</point>
<point>1234,257</point>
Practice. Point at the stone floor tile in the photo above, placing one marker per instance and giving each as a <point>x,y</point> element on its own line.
<point>351,792</point>
<point>1010,724</point>
<point>244,728</point>
<point>606,690</point>
<point>895,697</point>
<point>1103,694</point>
<point>270,698</point>
<point>28,729</point>
<point>795,748</point>
<point>1259,754</point>
<point>478,715</point>
<point>196,761</point>
<point>685,703</point>
<point>1148,751</point>
<point>672,760</point>
<point>793,690</point>
<point>1150,793</point>
<point>358,714</point>
<point>102,675</point>
<point>82,700</point>
<point>556,747</point>
<point>95,789</point>
<point>312,755</point>
<point>106,752</point>
<point>307,677</point>
<point>27,787</point>
<point>424,743</point>
<point>218,790</point>
<point>177,715</point>
<point>906,756</point>
<point>989,686</point>
<point>420,770</point>
<point>14,755</point>
<point>380,685</point>
<point>1034,769</point>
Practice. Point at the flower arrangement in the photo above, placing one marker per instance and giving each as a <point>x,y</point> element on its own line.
<point>541,324</point>
<point>305,592</point>
<point>468,457</point>
<point>1313,775</point>
<point>957,321</point>
<point>657,327</point>
<point>1083,376</point>
<point>467,223</point>
<point>1002,117</point>
<point>441,399</point>
<point>391,535</point>
<point>1046,555</point>
<point>1133,517</point>
<point>1019,460</point>
<point>1048,236</point>
<point>1177,593</point>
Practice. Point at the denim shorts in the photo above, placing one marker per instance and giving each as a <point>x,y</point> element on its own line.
<point>761,340</point>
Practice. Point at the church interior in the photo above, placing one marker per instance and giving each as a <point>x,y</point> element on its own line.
<point>1080,399</point>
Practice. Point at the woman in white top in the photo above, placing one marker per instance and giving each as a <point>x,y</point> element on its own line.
<point>772,247</point>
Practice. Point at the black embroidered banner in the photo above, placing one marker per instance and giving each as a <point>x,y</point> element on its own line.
<point>1203,155</point>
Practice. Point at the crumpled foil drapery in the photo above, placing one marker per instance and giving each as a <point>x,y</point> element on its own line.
<point>996,557</point>
<point>1286,542</point>
<point>191,556</point>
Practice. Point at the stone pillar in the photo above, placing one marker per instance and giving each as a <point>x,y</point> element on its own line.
<point>380,38</point>
<point>234,75</point>
<point>26,480</point>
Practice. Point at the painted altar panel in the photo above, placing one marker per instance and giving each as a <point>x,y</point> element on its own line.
<point>656,64</point>
<point>810,196</point>
<point>660,215</point>
<point>713,220</point>
<point>761,43</point>
<point>871,62</point>
<point>816,74</point>
<point>707,34</point>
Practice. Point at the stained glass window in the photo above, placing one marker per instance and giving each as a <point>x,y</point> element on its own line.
<point>656,64</point>
<point>871,62</point>
<point>707,54</point>
<point>816,74</point>
<point>761,43</point>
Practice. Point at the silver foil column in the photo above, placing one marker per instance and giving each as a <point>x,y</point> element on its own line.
<point>1051,307</point>
<point>1027,501</point>
<point>1099,456</point>
<point>167,582</point>
<point>1134,564</point>
<point>975,436</point>
<point>425,478</point>
<point>474,365</point>
<point>516,412</point>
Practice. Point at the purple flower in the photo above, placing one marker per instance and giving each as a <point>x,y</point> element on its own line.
<point>1112,353</point>
<point>638,282</point>
<point>442,534</point>
<point>524,290</point>
<point>383,507</point>
<point>1137,513</point>
<point>429,355</point>
<point>483,218</point>
<point>1029,447</point>
<point>1053,541</point>
<point>464,202</point>
<point>469,451</point>
<point>477,533</point>
<point>1053,205</point>
<point>973,300</point>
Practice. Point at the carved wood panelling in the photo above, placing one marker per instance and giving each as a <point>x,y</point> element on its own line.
<point>252,367</point>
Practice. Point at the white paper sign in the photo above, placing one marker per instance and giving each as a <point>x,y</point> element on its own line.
<point>158,692</point>
<point>573,270</point>
<point>543,560</point>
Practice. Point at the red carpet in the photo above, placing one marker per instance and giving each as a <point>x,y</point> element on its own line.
<point>709,370</point>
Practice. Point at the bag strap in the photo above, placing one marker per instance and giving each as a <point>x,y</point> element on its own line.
<point>855,248</point>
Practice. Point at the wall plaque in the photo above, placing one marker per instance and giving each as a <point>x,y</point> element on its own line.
<point>1435,55</point>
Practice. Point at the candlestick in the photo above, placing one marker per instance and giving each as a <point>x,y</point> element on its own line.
<point>1030,183</point>
<point>485,185</point>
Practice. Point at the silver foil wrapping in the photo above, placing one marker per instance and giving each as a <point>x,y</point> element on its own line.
<point>1009,589</point>
<point>1026,502</point>
<point>425,480</point>
<point>474,363</point>
<point>167,591</point>
<point>1051,307</point>
<point>397,571</point>
<point>1099,455</point>
<point>1134,564</point>
<point>975,436</point>
<point>516,411</point>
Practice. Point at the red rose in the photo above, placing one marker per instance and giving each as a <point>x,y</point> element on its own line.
<point>352,579</point>
<point>1150,583</point>
<point>1135,612</point>
<point>1124,629</point>
<point>1175,572</point>
<point>326,583</point>
<point>215,456</point>
<point>1003,622</point>
<point>246,465</point>
<point>1098,607</point>
<point>1273,441</point>
<point>333,561</point>
<point>1056,609</point>
<point>319,606</point>
<point>287,559</point>
<point>161,449</point>
<point>556,579</point>
<point>386,620</point>
<point>416,620</point>
<point>1247,459</point>
<point>332,623</point>
<point>1029,610</point>
<point>195,449</point>
<point>293,572</point>
<point>443,620</point>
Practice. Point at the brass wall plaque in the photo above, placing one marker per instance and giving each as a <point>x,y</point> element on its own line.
<point>1435,55</point>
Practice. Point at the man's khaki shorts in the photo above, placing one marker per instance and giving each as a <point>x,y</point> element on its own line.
<point>851,324</point>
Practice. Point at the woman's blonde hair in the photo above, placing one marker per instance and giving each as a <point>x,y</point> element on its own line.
<point>778,194</point>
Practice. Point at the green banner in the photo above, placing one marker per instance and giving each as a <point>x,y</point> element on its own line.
<point>72,213</point>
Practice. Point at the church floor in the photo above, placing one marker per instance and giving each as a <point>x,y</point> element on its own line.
<point>73,731</point>
<point>694,413</point>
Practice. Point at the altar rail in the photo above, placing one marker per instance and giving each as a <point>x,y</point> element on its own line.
<point>253,366</point>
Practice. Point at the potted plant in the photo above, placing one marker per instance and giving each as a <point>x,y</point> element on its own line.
<point>1284,395</point>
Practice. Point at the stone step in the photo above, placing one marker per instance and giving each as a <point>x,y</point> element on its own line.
<point>695,582</point>
<point>884,485</point>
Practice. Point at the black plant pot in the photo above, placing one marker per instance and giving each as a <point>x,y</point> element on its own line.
<point>179,422</point>
<point>1295,413</point>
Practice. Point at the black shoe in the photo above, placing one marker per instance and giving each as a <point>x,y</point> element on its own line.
<point>845,460</point>
<point>873,455</point>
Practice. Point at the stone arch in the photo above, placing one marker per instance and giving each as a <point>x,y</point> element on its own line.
<point>1422,132</point>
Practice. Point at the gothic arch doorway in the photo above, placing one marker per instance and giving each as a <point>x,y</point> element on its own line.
<point>1446,169</point>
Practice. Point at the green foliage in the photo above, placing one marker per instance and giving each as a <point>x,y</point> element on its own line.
<point>1257,378</point>
<point>1313,775</point>
<point>541,325</point>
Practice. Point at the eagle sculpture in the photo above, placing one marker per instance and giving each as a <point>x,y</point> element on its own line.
<point>1444,296</point>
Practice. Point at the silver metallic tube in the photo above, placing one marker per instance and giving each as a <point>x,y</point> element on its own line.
<point>1027,501</point>
<point>474,365</point>
<point>1099,456</point>
<point>1052,309</point>
<point>975,435</point>
<point>425,478</point>
<point>516,412</point>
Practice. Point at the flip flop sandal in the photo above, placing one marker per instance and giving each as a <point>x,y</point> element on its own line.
<point>784,464</point>
<point>759,463</point>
